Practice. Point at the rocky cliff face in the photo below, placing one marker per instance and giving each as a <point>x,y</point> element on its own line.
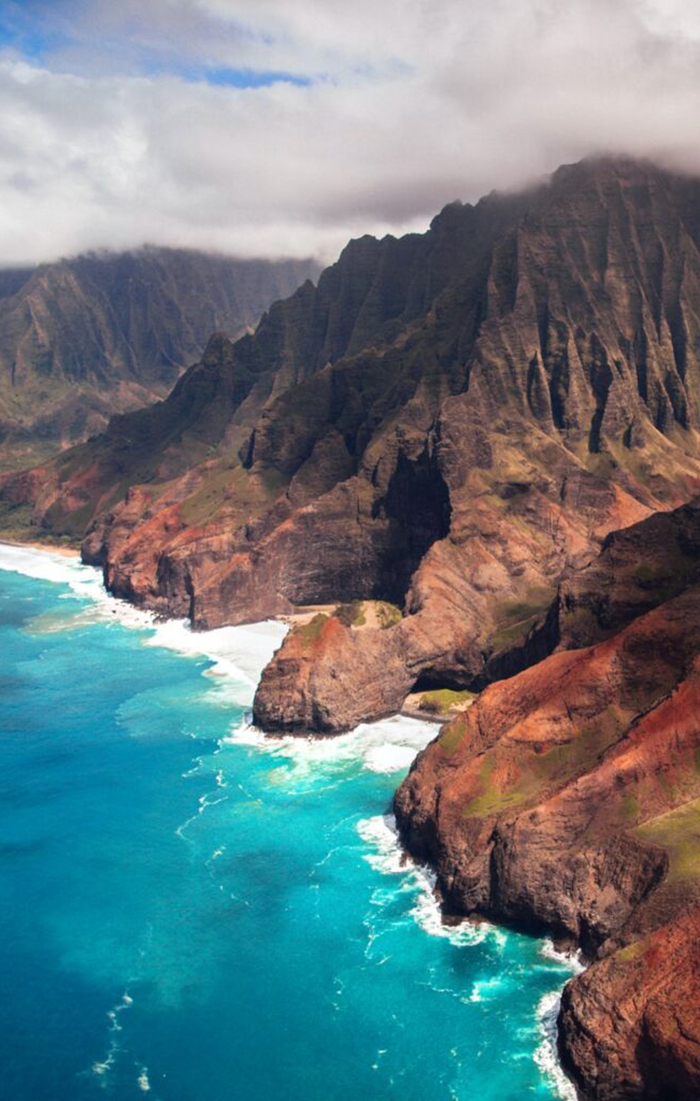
<point>103,333</point>
<point>567,799</point>
<point>560,430</point>
<point>448,422</point>
<point>455,423</point>
<point>638,568</point>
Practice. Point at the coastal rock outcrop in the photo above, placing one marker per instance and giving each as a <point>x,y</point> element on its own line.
<point>567,799</point>
<point>631,1022</point>
<point>477,605</point>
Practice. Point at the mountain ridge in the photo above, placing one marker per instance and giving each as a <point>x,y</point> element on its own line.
<point>511,313</point>
<point>105,332</point>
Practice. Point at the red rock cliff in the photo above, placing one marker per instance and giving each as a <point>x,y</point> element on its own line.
<point>567,799</point>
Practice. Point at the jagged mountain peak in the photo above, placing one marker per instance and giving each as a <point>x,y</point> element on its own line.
<point>541,341</point>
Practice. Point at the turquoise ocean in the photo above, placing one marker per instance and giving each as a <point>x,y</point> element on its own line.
<point>193,912</point>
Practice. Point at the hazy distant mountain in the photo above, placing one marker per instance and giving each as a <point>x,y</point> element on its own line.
<point>103,333</point>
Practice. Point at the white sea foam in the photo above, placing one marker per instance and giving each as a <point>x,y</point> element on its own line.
<point>83,581</point>
<point>387,746</point>
<point>484,989</point>
<point>44,565</point>
<point>101,1069</point>
<point>387,856</point>
<point>547,1055</point>
<point>142,1080</point>
<point>239,654</point>
<point>571,960</point>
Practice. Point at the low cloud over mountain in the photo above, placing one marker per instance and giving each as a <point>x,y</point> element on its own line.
<point>274,129</point>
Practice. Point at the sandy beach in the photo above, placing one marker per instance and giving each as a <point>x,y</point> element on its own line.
<point>66,552</point>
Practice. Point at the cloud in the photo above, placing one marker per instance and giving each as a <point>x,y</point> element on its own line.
<point>119,123</point>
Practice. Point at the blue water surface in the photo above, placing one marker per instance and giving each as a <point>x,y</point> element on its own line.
<point>208,920</point>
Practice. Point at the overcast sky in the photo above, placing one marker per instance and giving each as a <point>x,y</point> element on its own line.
<point>284,127</point>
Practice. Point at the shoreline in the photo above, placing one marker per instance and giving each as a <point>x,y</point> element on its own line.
<point>425,716</point>
<point>222,660</point>
<point>49,548</point>
<point>288,619</point>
